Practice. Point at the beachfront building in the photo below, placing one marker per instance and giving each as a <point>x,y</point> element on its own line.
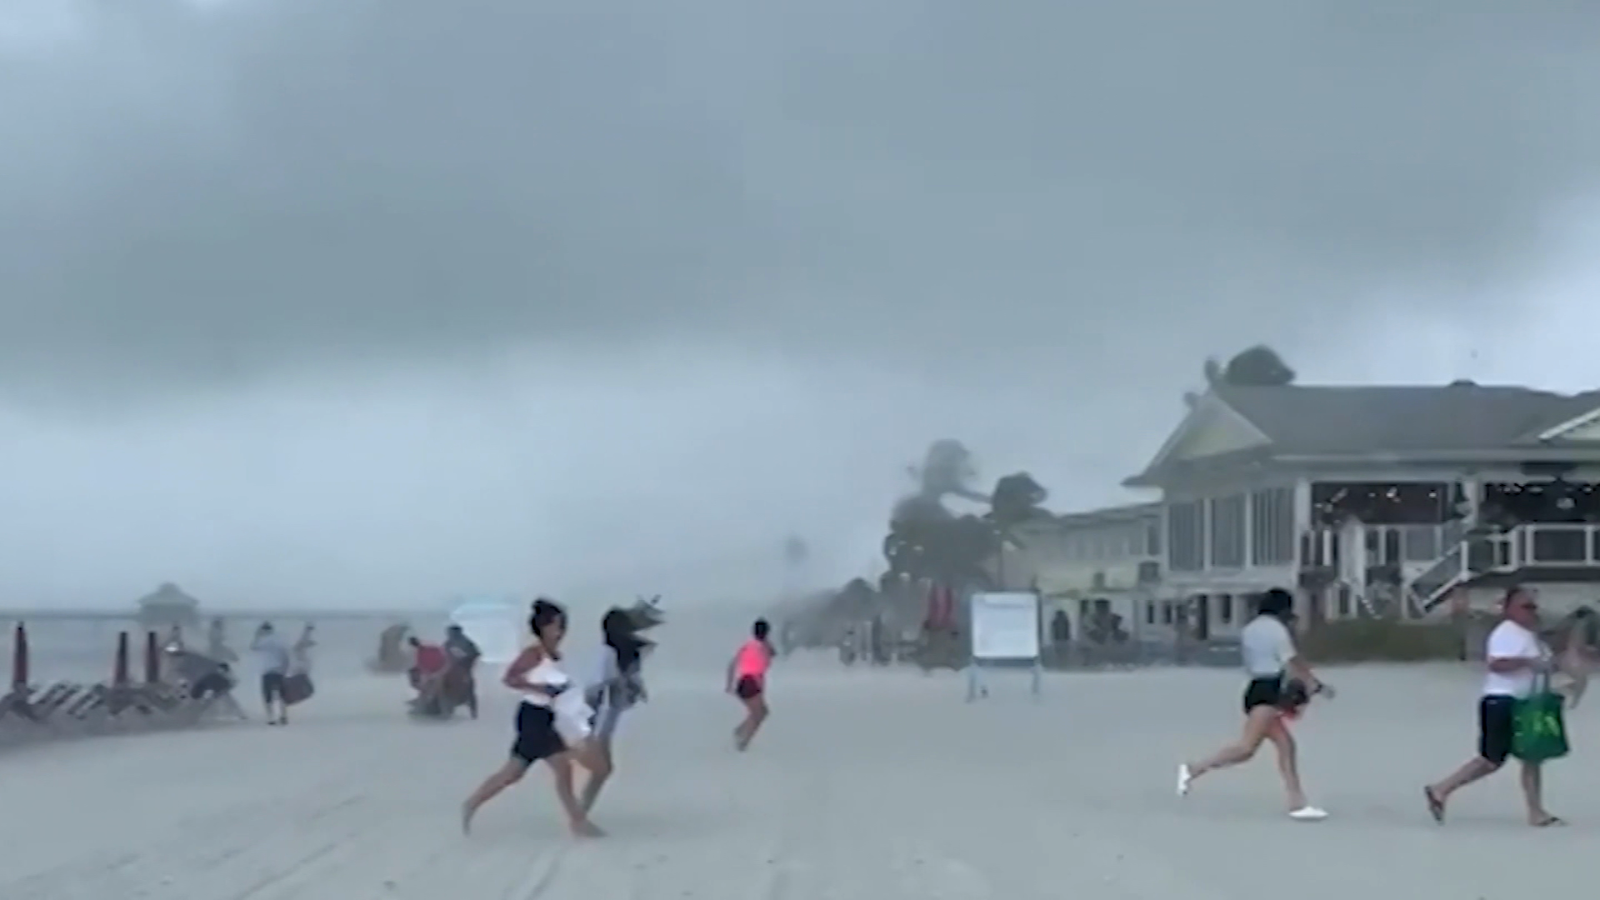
<point>1403,501</point>
<point>1094,573</point>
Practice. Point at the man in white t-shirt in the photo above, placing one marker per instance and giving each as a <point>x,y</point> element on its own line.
<point>1515,658</point>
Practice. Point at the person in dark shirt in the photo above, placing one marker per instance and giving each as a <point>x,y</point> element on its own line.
<point>464,655</point>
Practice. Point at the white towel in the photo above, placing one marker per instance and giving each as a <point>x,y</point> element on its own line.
<point>573,715</point>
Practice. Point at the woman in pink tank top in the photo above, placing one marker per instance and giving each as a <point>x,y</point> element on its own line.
<point>747,680</point>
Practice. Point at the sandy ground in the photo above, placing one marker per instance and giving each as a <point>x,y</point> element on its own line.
<point>865,785</point>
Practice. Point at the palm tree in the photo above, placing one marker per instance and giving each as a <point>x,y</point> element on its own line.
<point>1017,498</point>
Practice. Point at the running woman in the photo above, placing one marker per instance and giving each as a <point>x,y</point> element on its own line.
<point>619,686</point>
<point>536,673</point>
<point>747,680</point>
<point>1279,684</point>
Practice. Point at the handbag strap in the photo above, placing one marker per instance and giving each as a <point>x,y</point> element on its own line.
<point>1541,682</point>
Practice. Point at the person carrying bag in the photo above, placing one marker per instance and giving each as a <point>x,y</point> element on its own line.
<point>1519,715</point>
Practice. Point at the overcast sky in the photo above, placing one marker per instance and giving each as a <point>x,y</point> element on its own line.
<point>377,301</point>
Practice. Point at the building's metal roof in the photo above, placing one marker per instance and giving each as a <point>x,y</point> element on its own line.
<point>1420,422</point>
<point>1332,420</point>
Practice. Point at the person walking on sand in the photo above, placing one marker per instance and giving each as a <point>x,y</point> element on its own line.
<point>1580,649</point>
<point>1516,659</point>
<point>747,680</point>
<point>536,673</point>
<point>1279,684</point>
<point>618,689</point>
<point>274,657</point>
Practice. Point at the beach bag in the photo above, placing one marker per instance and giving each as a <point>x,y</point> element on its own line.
<point>297,688</point>
<point>1538,726</point>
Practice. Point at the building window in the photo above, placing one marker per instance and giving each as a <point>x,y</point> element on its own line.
<point>1272,527</point>
<point>1149,612</point>
<point>1166,612</point>
<point>1227,532</point>
<point>1186,537</point>
<point>1225,609</point>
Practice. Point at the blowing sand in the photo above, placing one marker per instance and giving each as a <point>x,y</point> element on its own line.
<point>864,784</point>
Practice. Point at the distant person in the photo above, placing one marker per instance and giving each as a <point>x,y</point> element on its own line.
<point>274,658</point>
<point>619,687</point>
<point>206,679</point>
<point>298,687</point>
<point>217,642</point>
<point>1279,684</point>
<point>747,680</point>
<point>1580,651</point>
<point>463,653</point>
<point>1060,628</point>
<point>301,651</point>
<point>429,664</point>
<point>536,673</point>
<point>1516,659</point>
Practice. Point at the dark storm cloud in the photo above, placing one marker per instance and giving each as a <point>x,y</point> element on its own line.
<point>195,194</point>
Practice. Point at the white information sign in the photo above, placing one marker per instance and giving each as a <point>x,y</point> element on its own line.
<point>1005,629</point>
<point>1005,626</point>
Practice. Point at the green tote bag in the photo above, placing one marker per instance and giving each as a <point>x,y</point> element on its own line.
<point>1539,729</point>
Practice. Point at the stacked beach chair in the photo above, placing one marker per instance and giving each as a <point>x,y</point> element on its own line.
<point>64,709</point>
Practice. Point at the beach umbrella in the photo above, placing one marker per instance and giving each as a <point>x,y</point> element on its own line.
<point>19,658</point>
<point>119,667</point>
<point>152,657</point>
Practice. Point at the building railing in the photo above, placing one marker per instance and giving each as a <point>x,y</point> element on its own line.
<point>1382,544</point>
<point>1548,545</point>
<point>1534,545</point>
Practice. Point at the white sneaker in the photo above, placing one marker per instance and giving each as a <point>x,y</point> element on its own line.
<point>1184,777</point>
<point>1308,814</point>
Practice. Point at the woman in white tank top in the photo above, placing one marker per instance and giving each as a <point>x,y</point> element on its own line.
<point>536,673</point>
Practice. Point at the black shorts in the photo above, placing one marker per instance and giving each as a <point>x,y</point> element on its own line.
<point>271,686</point>
<point>1496,723</point>
<point>748,687</point>
<point>1263,692</point>
<point>537,737</point>
<point>1276,691</point>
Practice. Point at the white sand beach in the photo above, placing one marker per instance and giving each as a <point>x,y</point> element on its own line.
<point>865,785</point>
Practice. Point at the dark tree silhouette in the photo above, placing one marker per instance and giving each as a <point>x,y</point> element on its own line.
<point>946,469</point>
<point>926,540</point>
<point>1016,499</point>
<point>1258,366</point>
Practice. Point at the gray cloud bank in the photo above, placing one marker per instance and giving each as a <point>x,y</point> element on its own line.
<point>193,195</point>
<point>369,301</point>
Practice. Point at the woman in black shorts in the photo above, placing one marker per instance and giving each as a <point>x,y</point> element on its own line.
<point>537,674</point>
<point>1271,697</point>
